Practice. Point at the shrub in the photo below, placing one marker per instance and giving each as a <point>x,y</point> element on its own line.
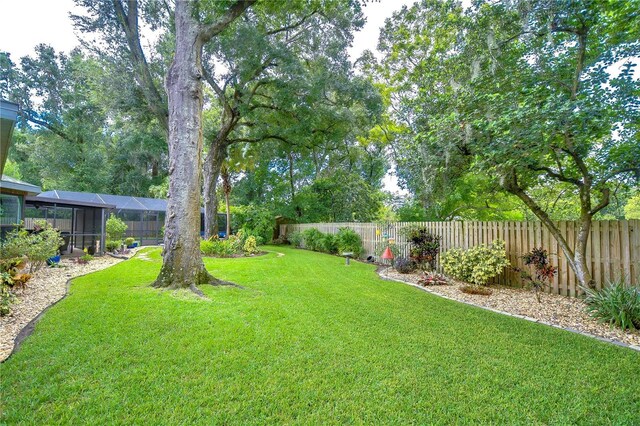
<point>8,273</point>
<point>242,236</point>
<point>424,247</point>
<point>455,264</point>
<point>84,259</point>
<point>6,295</point>
<point>476,265</point>
<point>349,241</point>
<point>404,265</point>
<point>115,228</point>
<point>329,243</point>
<point>111,245</point>
<point>129,241</point>
<point>296,238</point>
<point>254,220</point>
<point>476,289</point>
<point>235,243</point>
<point>221,248</point>
<point>11,266</point>
<point>38,246</point>
<point>617,304</point>
<point>250,245</point>
<point>313,239</point>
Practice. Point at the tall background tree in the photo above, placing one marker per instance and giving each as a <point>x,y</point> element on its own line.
<point>520,94</point>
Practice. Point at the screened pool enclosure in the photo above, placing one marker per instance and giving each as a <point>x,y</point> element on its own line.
<point>143,216</point>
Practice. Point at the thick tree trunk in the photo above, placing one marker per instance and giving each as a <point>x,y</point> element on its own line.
<point>212,165</point>
<point>182,265</point>
<point>581,268</point>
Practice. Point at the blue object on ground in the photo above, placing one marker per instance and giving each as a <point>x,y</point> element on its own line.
<point>53,260</point>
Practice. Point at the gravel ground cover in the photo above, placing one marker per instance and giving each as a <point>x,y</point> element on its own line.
<point>561,311</point>
<point>47,286</point>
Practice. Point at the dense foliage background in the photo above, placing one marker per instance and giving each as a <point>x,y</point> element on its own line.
<point>462,104</point>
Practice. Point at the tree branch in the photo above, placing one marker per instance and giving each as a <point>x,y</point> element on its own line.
<point>603,203</point>
<point>614,173</point>
<point>234,11</point>
<point>555,175</point>
<point>259,139</point>
<point>30,116</point>
<point>292,26</point>
<point>129,23</point>
<point>510,183</point>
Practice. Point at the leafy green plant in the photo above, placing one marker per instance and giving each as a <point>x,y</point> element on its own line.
<point>112,245</point>
<point>424,246</point>
<point>219,248</point>
<point>39,245</point>
<point>115,228</point>
<point>7,298</point>
<point>617,304</point>
<point>296,239</point>
<point>313,239</point>
<point>404,265</point>
<point>250,246</point>
<point>129,241</point>
<point>84,259</point>
<point>476,265</point>
<point>329,243</point>
<point>349,241</point>
<point>236,242</point>
<point>253,220</point>
<point>10,278</point>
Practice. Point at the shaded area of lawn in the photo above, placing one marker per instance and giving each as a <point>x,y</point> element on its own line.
<point>308,340</point>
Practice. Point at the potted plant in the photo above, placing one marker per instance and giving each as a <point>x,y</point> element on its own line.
<point>54,260</point>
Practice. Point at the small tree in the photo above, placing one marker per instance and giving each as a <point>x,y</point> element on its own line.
<point>115,228</point>
<point>543,270</point>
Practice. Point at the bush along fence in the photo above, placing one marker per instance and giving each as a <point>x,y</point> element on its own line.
<point>613,250</point>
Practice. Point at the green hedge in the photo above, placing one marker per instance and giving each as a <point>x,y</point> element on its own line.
<point>346,240</point>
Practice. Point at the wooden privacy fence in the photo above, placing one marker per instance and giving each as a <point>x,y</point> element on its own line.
<point>613,250</point>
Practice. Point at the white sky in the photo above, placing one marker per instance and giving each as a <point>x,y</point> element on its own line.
<point>29,22</point>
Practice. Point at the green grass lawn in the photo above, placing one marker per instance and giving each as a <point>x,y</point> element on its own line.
<point>307,341</point>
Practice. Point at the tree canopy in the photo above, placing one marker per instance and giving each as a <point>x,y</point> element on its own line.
<point>488,111</point>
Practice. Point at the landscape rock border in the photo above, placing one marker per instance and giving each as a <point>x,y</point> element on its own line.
<point>388,274</point>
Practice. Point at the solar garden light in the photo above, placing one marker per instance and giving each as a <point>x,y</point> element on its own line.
<point>347,255</point>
